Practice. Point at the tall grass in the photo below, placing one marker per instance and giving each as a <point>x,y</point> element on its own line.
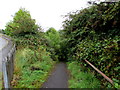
<point>80,78</point>
<point>31,68</point>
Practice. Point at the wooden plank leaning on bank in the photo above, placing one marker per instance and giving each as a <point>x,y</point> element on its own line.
<point>106,77</point>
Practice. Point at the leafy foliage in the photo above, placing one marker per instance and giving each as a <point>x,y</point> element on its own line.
<point>53,39</point>
<point>24,30</point>
<point>53,42</point>
<point>94,34</point>
<point>32,61</point>
<point>22,23</point>
<point>31,70</point>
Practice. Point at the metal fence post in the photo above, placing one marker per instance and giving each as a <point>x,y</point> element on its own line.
<point>5,77</point>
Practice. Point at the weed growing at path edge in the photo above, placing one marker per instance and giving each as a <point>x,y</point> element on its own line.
<point>80,78</point>
<point>31,71</point>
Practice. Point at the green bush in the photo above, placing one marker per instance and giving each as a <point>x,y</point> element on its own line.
<point>31,71</point>
<point>94,34</point>
<point>22,24</point>
<point>53,42</point>
<point>32,61</point>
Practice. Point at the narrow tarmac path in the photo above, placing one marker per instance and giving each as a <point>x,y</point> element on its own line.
<point>58,78</point>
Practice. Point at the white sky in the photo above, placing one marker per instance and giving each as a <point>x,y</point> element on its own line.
<point>46,12</point>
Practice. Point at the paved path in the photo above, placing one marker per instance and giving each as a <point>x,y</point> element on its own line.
<point>59,78</point>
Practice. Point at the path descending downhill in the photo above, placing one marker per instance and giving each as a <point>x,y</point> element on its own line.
<point>58,78</point>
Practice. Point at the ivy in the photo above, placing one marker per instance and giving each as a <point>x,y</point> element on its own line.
<point>94,34</point>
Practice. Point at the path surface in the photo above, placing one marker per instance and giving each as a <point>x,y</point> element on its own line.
<point>59,78</point>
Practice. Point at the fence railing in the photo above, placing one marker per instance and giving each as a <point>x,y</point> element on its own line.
<point>8,62</point>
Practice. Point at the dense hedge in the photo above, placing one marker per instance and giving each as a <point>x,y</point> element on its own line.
<point>94,34</point>
<point>53,43</point>
<point>33,61</point>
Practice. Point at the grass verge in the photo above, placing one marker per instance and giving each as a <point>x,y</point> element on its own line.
<point>80,78</point>
<point>31,68</point>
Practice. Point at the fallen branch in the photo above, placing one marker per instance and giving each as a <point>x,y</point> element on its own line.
<point>106,77</point>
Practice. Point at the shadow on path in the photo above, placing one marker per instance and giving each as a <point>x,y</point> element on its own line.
<point>58,78</point>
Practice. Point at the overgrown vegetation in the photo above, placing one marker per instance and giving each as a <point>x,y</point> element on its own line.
<point>80,78</point>
<point>53,43</point>
<point>31,71</point>
<point>94,34</point>
<point>33,61</point>
<point>91,34</point>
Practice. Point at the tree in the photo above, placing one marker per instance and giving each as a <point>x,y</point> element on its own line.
<point>53,42</point>
<point>22,24</point>
<point>96,2</point>
<point>53,38</point>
